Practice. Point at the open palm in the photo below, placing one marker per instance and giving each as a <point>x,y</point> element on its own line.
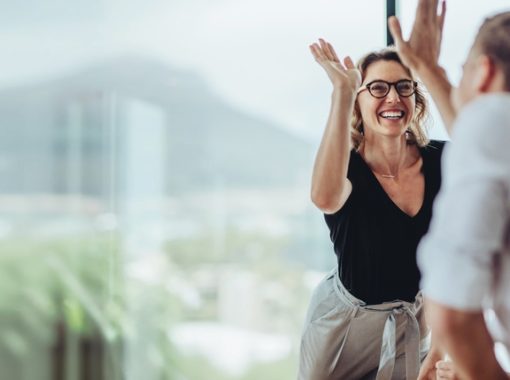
<point>424,44</point>
<point>343,75</point>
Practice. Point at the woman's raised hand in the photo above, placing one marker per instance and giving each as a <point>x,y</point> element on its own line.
<point>343,75</point>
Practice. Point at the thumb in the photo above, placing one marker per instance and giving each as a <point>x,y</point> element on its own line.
<point>348,63</point>
<point>396,31</point>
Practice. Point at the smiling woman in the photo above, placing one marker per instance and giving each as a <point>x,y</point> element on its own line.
<point>375,177</point>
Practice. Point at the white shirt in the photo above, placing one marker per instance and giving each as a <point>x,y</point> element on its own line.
<point>465,257</point>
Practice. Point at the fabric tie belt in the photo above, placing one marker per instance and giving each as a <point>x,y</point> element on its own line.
<point>389,346</point>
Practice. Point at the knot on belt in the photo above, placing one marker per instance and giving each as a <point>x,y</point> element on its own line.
<point>389,347</point>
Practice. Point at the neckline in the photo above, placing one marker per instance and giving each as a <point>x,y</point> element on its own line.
<point>388,198</point>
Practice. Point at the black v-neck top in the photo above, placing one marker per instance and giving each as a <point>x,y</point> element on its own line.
<point>374,240</point>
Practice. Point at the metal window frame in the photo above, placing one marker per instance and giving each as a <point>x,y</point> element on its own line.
<point>391,10</point>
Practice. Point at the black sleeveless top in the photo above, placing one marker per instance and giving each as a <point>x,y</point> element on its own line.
<point>374,240</point>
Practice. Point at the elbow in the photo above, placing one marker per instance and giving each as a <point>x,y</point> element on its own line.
<point>323,202</point>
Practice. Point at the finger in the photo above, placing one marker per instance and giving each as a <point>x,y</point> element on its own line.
<point>333,52</point>
<point>445,373</point>
<point>445,370</point>
<point>396,31</point>
<point>348,63</point>
<point>330,52</point>
<point>442,15</point>
<point>441,376</point>
<point>325,49</point>
<point>316,52</point>
<point>444,365</point>
<point>426,10</point>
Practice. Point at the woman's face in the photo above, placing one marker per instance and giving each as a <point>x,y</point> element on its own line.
<point>392,114</point>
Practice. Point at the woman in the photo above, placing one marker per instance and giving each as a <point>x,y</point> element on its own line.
<point>375,178</point>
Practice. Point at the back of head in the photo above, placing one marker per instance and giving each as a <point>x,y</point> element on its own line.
<point>493,40</point>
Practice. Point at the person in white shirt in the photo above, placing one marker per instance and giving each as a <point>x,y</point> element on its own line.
<point>465,257</point>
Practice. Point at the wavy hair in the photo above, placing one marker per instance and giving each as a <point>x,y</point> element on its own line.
<point>417,130</point>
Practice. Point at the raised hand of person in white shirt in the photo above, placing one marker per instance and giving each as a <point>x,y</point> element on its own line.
<point>421,53</point>
<point>344,76</point>
<point>422,48</point>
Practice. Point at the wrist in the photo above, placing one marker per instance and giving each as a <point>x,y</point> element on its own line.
<point>430,72</point>
<point>343,95</point>
<point>435,351</point>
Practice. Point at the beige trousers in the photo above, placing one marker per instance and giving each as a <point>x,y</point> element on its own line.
<point>345,339</point>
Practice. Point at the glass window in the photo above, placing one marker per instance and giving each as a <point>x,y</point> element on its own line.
<point>156,156</point>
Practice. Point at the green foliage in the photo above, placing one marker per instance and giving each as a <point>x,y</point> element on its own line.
<point>80,282</point>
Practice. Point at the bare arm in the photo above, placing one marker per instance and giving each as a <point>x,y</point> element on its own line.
<point>421,54</point>
<point>330,186</point>
<point>440,88</point>
<point>457,331</point>
<point>428,366</point>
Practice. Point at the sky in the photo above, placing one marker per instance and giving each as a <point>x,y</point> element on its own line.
<point>252,53</point>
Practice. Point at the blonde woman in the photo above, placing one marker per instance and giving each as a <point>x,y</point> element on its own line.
<point>375,177</point>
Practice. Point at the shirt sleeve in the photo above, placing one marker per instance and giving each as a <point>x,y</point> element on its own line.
<point>457,257</point>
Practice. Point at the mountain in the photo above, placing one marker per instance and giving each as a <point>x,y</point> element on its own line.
<point>58,134</point>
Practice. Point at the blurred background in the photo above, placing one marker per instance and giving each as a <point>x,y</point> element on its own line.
<point>155,161</point>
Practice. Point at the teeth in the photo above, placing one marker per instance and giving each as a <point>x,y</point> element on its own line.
<point>392,115</point>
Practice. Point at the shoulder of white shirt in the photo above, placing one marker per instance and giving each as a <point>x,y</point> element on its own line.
<point>488,102</point>
<point>484,110</point>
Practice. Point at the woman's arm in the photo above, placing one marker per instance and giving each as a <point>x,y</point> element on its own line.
<point>330,186</point>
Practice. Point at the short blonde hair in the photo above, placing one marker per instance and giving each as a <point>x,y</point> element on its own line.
<point>417,131</point>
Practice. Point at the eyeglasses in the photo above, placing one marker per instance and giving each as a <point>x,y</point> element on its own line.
<point>381,88</point>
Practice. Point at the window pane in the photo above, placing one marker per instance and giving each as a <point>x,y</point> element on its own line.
<point>155,220</point>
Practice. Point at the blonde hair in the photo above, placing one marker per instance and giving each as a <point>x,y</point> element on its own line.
<point>417,131</point>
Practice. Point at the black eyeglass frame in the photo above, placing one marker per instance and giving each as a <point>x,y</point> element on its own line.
<point>394,84</point>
